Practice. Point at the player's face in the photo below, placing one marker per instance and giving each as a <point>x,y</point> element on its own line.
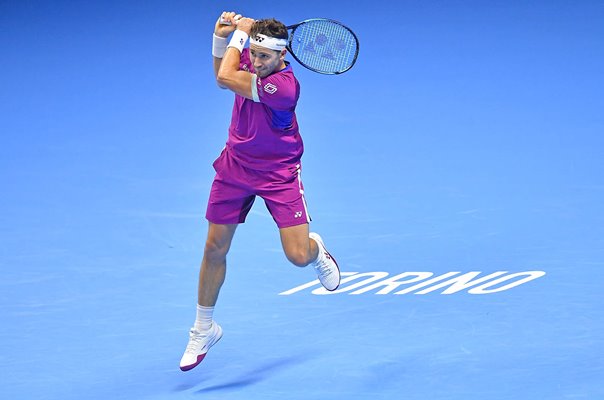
<point>265,61</point>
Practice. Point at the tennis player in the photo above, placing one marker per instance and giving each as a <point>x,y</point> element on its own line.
<point>262,157</point>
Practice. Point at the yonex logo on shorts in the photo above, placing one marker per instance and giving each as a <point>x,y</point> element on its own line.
<point>298,214</point>
<point>270,88</point>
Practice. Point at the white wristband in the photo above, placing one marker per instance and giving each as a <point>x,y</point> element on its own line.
<point>238,40</point>
<point>219,46</point>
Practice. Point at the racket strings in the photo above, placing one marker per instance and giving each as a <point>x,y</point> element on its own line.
<point>324,46</point>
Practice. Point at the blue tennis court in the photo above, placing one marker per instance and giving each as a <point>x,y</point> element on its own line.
<point>456,173</point>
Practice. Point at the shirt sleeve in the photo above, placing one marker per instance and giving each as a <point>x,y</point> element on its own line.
<point>278,91</point>
<point>244,60</point>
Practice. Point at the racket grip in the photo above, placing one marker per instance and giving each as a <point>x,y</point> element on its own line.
<point>223,21</point>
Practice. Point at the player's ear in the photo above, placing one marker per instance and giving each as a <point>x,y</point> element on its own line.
<point>282,55</point>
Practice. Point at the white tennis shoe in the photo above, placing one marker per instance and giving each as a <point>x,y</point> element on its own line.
<point>199,344</point>
<point>326,266</point>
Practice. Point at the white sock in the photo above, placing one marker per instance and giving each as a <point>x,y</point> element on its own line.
<point>203,322</point>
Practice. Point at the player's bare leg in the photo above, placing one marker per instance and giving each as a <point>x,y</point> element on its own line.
<point>302,248</point>
<point>213,264</point>
<point>206,332</point>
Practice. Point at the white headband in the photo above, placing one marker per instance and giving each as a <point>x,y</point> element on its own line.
<point>268,42</point>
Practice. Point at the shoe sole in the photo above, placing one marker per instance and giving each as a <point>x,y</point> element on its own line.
<point>201,356</point>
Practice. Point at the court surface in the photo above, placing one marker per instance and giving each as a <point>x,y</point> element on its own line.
<point>456,173</point>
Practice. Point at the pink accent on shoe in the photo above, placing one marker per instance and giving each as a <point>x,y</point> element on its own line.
<point>190,367</point>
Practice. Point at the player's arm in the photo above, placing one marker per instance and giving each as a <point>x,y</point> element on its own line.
<point>221,34</point>
<point>228,74</point>
<point>217,62</point>
<point>230,77</point>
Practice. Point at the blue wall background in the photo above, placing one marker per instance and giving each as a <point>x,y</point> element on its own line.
<point>467,137</point>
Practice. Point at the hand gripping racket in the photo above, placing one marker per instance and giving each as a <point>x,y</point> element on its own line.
<point>322,45</point>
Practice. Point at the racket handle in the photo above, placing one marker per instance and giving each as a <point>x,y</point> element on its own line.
<point>224,21</point>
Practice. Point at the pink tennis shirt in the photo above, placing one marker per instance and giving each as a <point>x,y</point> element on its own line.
<point>263,134</point>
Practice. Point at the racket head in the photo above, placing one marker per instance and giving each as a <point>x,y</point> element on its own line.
<point>323,45</point>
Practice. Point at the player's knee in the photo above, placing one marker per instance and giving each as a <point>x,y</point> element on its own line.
<point>298,257</point>
<point>215,250</point>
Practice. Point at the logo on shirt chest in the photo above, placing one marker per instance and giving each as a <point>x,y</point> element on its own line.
<point>270,88</point>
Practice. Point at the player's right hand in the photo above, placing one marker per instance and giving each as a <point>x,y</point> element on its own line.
<point>226,23</point>
<point>245,24</point>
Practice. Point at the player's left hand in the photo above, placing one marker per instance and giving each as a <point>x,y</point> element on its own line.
<point>224,30</point>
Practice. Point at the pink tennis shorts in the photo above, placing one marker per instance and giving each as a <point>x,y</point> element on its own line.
<point>235,188</point>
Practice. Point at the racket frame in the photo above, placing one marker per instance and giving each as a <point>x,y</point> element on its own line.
<point>291,36</point>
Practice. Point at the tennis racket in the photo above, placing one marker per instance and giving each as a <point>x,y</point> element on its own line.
<point>322,45</point>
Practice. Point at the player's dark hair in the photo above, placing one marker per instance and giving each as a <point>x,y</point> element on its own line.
<point>269,27</point>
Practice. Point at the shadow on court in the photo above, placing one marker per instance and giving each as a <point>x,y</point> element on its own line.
<point>262,372</point>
